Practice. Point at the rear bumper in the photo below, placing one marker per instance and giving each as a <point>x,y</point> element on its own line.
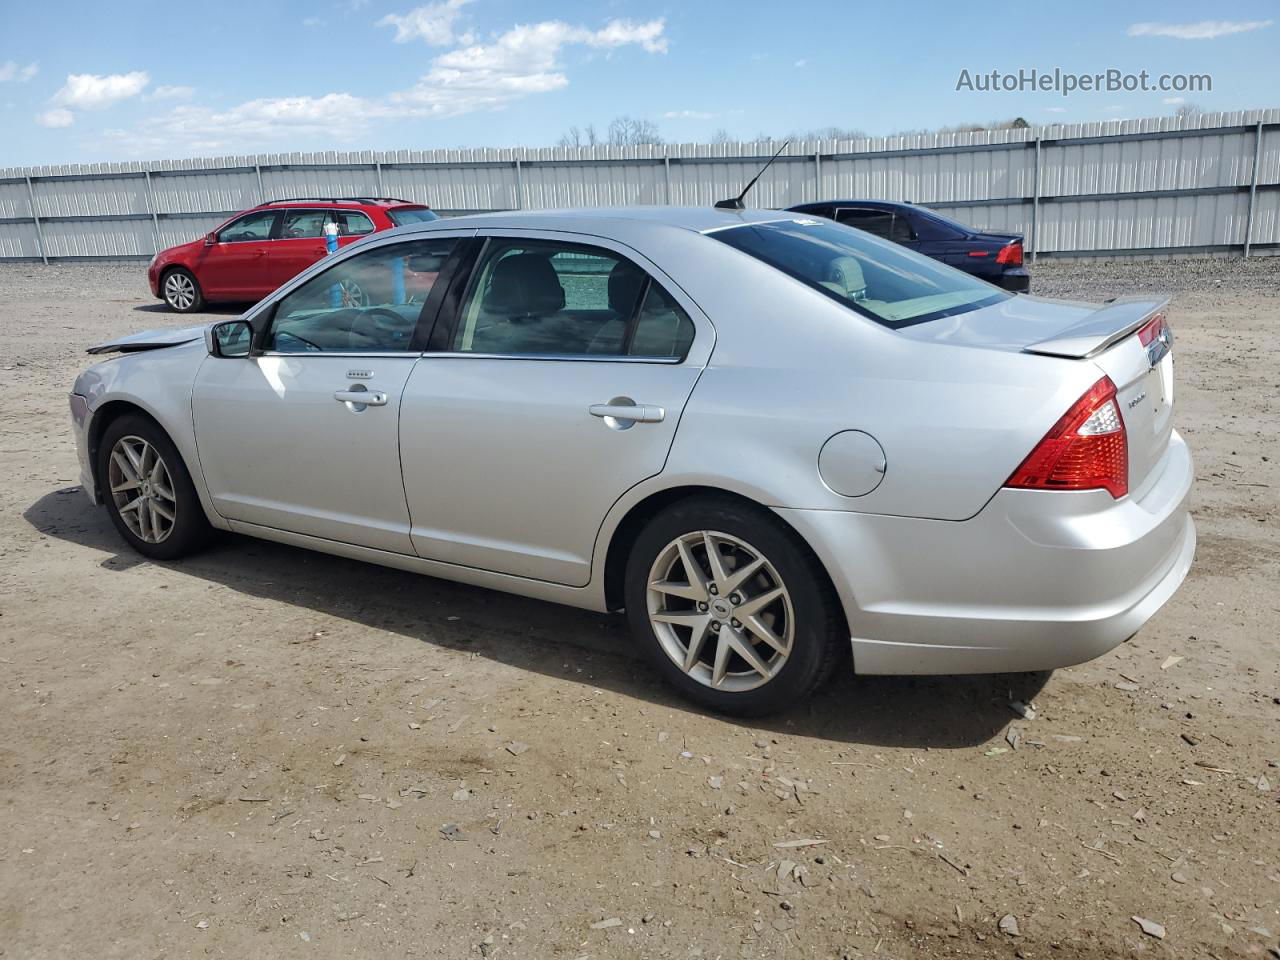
<point>1037,580</point>
<point>1016,280</point>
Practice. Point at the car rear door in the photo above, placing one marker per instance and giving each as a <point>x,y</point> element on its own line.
<point>234,266</point>
<point>301,242</point>
<point>303,435</point>
<point>554,387</point>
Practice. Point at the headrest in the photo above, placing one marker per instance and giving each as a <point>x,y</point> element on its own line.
<point>524,285</point>
<point>846,273</point>
<point>625,280</point>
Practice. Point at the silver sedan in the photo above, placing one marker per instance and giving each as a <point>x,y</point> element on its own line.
<point>772,439</point>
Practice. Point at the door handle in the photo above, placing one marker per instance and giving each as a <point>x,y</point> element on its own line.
<point>367,398</point>
<point>628,412</point>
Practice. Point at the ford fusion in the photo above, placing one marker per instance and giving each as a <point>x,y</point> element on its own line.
<point>770,438</point>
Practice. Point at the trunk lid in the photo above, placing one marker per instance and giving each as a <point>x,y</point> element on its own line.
<point>1106,335</point>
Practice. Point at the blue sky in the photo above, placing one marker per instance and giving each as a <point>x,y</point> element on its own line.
<point>138,79</point>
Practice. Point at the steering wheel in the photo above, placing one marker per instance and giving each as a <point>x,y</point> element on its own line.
<point>315,347</point>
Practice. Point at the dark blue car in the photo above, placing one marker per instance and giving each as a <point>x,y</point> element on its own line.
<point>995,257</point>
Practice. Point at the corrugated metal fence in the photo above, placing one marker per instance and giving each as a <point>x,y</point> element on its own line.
<point>1159,186</point>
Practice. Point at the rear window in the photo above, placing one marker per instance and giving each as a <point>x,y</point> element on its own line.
<point>877,278</point>
<point>405,215</point>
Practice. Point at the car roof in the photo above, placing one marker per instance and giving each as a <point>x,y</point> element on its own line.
<point>593,219</point>
<point>339,202</point>
<point>891,204</point>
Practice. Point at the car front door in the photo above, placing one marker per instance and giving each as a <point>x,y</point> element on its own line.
<point>553,388</point>
<point>302,435</point>
<point>234,265</point>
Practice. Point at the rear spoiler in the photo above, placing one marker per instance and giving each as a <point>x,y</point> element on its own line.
<point>1100,329</point>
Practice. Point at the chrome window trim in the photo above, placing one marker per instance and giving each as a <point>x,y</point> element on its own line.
<point>558,357</point>
<point>383,354</point>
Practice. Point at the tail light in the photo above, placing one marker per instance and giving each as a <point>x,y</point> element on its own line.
<point>1152,330</point>
<point>1087,449</point>
<point>1010,254</point>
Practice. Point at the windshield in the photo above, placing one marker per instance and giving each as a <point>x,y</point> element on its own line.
<point>404,215</point>
<point>878,279</point>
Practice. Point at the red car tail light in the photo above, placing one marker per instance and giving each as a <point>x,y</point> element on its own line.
<point>1152,329</point>
<point>1010,254</point>
<point>1087,449</point>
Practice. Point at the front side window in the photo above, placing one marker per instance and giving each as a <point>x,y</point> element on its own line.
<point>533,297</point>
<point>254,226</point>
<point>405,215</point>
<point>369,303</point>
<point>874,277</point>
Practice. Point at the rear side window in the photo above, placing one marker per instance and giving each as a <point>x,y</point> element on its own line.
<point>301,224</point>
<point>541,298</point>
<point>874,277</point>
<point>405,215</point>
<point>880,223</point>
<point>351,223</point>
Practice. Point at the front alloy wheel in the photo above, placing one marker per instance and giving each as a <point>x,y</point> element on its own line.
<point>142,489</point>
<point>720,611</point>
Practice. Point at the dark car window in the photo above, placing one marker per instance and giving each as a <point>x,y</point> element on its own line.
<point>874,277</point>
<point>368,303</point>
<point>302,224</point>
<point>252,226</point>
<point>531,298</point>
<point>405,215</point>
<point>351,223</point>
<point>881,223</point>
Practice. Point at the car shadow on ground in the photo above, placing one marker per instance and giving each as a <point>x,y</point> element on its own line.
<point>560,642</point>
<point>209,309</point>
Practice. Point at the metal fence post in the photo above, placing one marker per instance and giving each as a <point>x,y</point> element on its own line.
<point>31,202</point>
<point>1253,188</point>
<point>151,208</point>
<point>377,167</point>
<point>262,196</point>
<point>666,164</point>
<point>817,174</point>
<point>519,186</point>
<point>1035,208</point>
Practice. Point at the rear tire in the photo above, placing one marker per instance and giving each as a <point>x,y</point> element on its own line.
<point>148,491</point>
<point>754,628</point>
<point>181,290</point>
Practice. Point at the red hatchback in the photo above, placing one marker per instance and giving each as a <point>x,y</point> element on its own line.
<point>256,251</point>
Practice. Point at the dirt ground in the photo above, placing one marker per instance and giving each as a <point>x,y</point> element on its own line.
<point>265,752</point>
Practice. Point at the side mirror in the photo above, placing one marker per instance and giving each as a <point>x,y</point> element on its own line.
<point>229,339</point>
<point>210,239</point>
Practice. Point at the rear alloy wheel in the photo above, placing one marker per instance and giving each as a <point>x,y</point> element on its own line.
<point>148,491</point>
<point>735,611</point>
<point>181,291</point>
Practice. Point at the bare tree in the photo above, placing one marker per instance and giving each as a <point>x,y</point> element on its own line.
<point>575,137</point>
<point>627,131</point>
<point>1186,111</point>
<point>721,136</point>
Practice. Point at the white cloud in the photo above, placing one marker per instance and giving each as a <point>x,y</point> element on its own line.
<point>165,92</point>
<point>687,115</point>
<point>11,72</point>
<point>432,24</point>
<point>517,63</point>
<point>57,117</point>
<point>1175,101</point>
<point>1055,109</point>
<point>313,23</point>
<point>88,91</point>
<point>1200,30</point>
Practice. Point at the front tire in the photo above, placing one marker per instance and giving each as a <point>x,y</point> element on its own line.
<point>181,290</point>
<point>148,491</point>
<point>731,606</point>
